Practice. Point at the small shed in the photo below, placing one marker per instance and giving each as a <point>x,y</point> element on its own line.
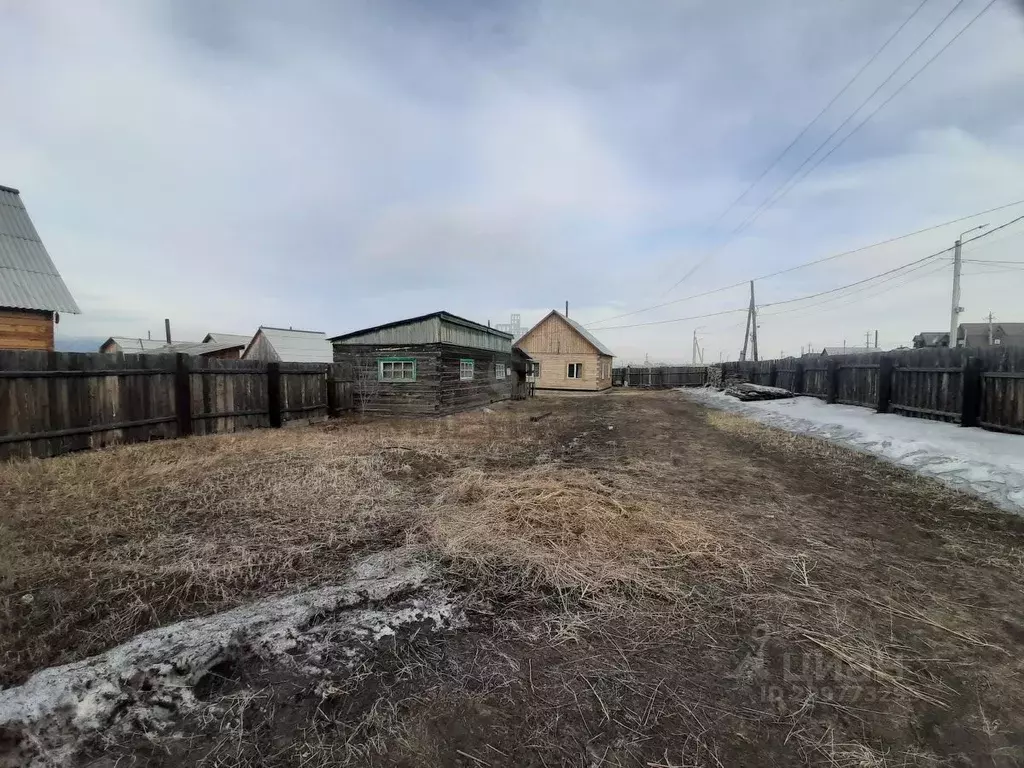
<point>32,292</point>
<point>567,355</point>
<point>287,345</point>
<point>429,365</point>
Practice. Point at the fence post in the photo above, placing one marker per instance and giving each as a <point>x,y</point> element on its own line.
<point>971,400</point>
<point>832,381</point>
<point>183,394</point>
<point>884,384</point>
<point>798,378</point>
<point>274,393</point>
<point>773,373</point>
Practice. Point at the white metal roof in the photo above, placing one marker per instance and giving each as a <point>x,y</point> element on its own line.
<point>299,346</point>
<point>226,338</point>
<point>28,277</point>
<point>588,336</point>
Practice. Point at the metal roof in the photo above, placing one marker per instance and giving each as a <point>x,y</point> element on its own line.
<point>576,327</point>
<point>837,351</point>
<point>227,338</point>
<point>28,278</point>
<point>299,346</point>
<point>447,317</point>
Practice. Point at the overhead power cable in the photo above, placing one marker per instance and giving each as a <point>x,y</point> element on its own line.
<point>820,114</point>
<point>789,184</point>
<point>773,200</point>
<point>815,262</point>
<point>902,269</point>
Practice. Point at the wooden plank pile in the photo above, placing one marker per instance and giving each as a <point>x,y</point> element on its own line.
<point>749,392</point>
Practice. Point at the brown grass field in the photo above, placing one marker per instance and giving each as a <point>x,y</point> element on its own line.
<point>649,584</point>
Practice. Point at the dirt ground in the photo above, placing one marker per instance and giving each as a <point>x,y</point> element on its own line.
<point>648,583</point>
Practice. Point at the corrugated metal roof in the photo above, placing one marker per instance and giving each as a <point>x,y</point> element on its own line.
<point>444,316</point>
<point>588,336</point>
<point>28,277</point>
<point>839,351</point>
<point>299,346</point>
<point>227,338</point>
<point>135,346</point>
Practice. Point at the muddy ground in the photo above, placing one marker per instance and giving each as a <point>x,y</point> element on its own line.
<point>822,608</point>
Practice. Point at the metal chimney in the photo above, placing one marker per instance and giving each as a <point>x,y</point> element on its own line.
<point>167,329</point>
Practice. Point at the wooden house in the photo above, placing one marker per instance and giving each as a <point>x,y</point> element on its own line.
<point>567,356</point>
<point>429,365</point>
<point>287,345</point>
<point>32,292</point>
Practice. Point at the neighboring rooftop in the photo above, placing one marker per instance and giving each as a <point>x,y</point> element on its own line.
<point>838,351</point>
<point>299,346</point>
<point>135,346</point>
<point>28,277</point>
<point>227,338</point>
<point>976,334</point>
<point>446,317</point>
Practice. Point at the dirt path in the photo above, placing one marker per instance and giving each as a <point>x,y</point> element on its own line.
<point>799,604</point>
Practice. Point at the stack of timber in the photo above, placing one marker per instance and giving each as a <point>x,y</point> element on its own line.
<point>749,392</point>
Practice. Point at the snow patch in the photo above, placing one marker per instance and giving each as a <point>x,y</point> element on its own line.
<point>151,678</point>
<point>986,464</point>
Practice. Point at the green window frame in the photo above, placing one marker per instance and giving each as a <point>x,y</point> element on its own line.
<point>396,370</point>
<point>466,368</point>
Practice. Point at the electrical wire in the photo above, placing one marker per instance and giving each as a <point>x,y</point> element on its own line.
<point>773,201</point>
<point>782,190</point>
<point>815,262</point>
<point>820,114</point>
<point>902,270</point>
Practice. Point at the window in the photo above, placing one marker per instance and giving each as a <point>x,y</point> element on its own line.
<point>997,341</point>
<point>574,371</point>
<point>465,370</point>
<point>499,371</point>
<point>396,369</point>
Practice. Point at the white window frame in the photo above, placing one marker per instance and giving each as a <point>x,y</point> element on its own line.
<point>569,370</point>
<point>386,370</point>
<point>500,371</point>
<point>466,369</point>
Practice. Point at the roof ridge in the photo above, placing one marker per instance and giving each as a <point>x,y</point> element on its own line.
<point>10,189</point>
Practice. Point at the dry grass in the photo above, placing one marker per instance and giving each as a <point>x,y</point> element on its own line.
<point>595,534</point>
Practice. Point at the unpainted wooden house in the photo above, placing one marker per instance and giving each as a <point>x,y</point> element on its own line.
<point>567,356</point>
<point>287,345</point>
<point>32,292</point>
<point>429,365</point>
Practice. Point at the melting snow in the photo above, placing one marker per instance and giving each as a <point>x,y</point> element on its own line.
<point>987,464</point>
<point>143,682</point>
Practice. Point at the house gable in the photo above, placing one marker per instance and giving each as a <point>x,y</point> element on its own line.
<point>554,335</point>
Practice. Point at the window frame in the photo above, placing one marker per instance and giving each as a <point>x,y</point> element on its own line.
<point>579,371</point>
<point>504,371</point>
<point>463,362</point>
<point>381,361</point>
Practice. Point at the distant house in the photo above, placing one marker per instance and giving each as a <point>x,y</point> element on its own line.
<point>429,365</point>
<point>286,345</point>
<point>568,356</point>
<point>228,338</point>
<point>976,335</point>
<point>32,292</point>
<point>928,339</point>
<point>227,350</point>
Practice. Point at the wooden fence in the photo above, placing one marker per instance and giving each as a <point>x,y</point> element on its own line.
<point>661,378</point>
<point>972,387</point>
<point>56,402</point>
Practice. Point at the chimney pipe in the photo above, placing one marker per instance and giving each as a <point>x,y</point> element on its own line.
<point>876,339</point>
<point>167,329</point>
<point>567,309</point>
<point>149,335</point>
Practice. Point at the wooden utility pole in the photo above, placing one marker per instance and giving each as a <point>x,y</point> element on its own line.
<point>990,336</point>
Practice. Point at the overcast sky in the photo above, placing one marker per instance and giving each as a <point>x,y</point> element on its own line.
<point>333,165</point>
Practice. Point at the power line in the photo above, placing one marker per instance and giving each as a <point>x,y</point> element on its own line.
<point>817,117</point>
<point>900,269</point>
<point>815,262</point>
<point>775,196</point>
<point>772,201</point>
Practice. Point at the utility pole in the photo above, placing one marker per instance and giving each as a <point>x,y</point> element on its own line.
<point>746,333</point>
<point>693,349</point>
<point>990,337</point>
<point>955,309</point>
<point>876,338</point>
<point>753,321</point>
<point>867,339</point>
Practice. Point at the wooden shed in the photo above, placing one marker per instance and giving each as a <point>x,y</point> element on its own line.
<point>32,292</point>
<point>567,355</point>
<point>429,365</point>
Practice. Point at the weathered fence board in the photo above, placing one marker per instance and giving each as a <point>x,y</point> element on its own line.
<point>52,402</point>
